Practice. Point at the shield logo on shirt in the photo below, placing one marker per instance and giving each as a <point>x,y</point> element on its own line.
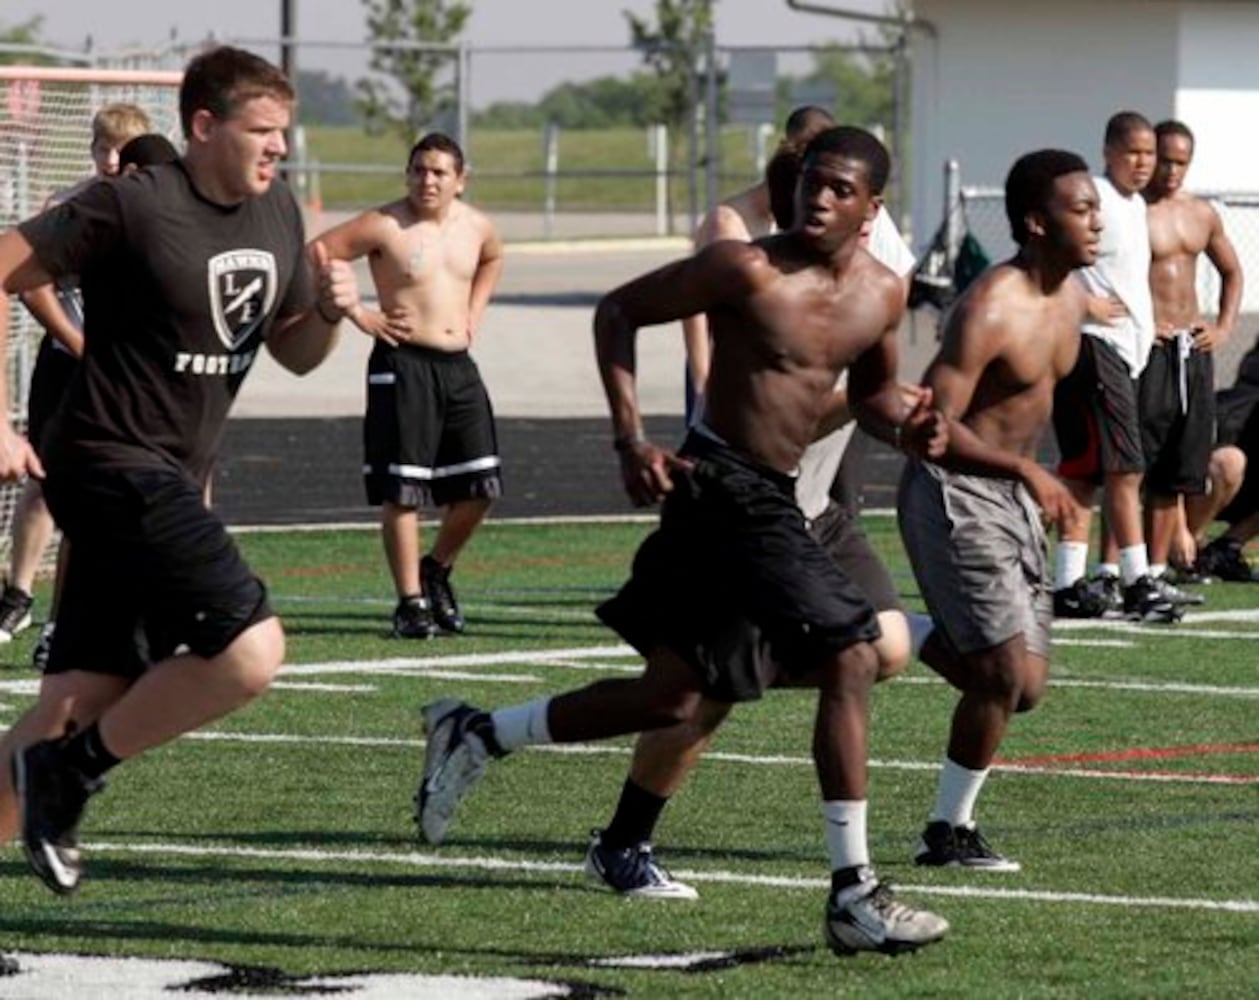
<point>242,292</point>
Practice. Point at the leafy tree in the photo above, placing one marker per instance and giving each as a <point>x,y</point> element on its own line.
<point>24,33</point>
<point>415,97</point>
<point>605,102</point>
<point>673,48</point>
<point>864,83</point>
<point>325,99</point>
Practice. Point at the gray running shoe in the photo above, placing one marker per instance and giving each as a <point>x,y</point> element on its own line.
<point>454,761</point>
<point>866,916</point>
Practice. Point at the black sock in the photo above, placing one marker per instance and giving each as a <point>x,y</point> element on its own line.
<point>483,725</point>
<point>87,754</point>
<point>636,816</point>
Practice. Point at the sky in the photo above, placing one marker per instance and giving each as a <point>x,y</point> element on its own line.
<point>496,75</point>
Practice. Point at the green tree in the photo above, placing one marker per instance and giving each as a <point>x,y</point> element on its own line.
<point>325,99</point>
<point>864,82</point>
<point>414,97</point>
<point>673,47</point>
<point>24,33</point>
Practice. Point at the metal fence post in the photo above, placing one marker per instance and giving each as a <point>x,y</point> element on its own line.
<point>551,165</point>
<point>712,129</point>
<point>952,211</point>
<point>659,136</point>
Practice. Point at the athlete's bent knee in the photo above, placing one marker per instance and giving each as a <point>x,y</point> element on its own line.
<point>255,656</point>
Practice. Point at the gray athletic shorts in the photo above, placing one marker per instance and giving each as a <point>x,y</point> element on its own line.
<point>978,551</point>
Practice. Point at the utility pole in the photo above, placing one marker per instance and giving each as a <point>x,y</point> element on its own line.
<point>288,63</point>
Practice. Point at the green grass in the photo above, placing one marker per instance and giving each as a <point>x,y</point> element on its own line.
<point>338,882</point>
<point>499,159</point>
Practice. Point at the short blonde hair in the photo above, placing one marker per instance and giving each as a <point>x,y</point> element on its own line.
<point>117,124</point>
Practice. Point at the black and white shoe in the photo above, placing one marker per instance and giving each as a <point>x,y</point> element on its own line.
<point>864,915</point>
<point>51,798</point>
<point>632,871</point>
<point>1225,559</point>
<point>435,579</point>
<point>1176,595</point>
<point>454,760</point>
<point>945,846</point>
<point>43,646</point>
<point>15,612</point>
<point>1080,600</point>
<point>412,619</point>
<point>1144,600</point>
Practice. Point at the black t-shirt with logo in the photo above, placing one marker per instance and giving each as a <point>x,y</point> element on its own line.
<point>179,294</point>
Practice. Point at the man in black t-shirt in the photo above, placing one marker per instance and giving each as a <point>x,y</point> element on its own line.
<point>187,269</point>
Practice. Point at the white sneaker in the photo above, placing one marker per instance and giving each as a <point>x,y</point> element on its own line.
<point>454,761</point>
<point>865,916</point>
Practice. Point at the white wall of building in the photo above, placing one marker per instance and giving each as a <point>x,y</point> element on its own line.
<point>997,79</point>
<point>1218,95</point>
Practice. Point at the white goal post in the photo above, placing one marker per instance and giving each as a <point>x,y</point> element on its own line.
<point>45,141</point>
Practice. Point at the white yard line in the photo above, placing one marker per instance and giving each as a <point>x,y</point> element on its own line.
<point>413,859</point>
<point>759,760</point>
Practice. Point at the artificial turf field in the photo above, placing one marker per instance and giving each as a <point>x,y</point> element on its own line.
<point>275,854</point>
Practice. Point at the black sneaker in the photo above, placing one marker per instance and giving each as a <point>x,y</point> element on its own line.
<point>1080,600</point>
<point>1223,558</point>
<point>412,619</point>
<point>1145,601</point>
<point>632,871</point>
<point>1107,587</point>
<point>1177,596</point>
<point>43,647</point>
<point>435,579</point>
<point>945,846</point>
<point>51,797</point>
<point>865,916</point>
<point>15,612</point>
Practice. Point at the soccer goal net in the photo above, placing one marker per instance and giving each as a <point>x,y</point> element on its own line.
<point>45,146</point>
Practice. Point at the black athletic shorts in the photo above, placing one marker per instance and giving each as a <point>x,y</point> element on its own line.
<point>1095,416</point>
<point>151,569</point>
<point>1247,500</point>
<point>54,368</point>
<point>1176,400</point>
<point>838,531</point>
<point>733,583</point>
<point>429,437</point>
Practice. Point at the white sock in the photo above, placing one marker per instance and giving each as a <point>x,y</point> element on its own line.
<point>1069,563</point>
<point>1157,569</point>
<point>920,628</point>
<point>1133,563</point>
<point>956,793</point>
<point>522,725</point>
<point>846,833</point>
<point>1108,569</point>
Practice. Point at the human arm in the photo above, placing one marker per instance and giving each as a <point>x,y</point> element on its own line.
<point>20,271</point>
<point>301,341</point>
<point>1223,256</point>
<point>680,289</point>
<point>360,237</point>
<point>42,303</point>
<point>489,269</point>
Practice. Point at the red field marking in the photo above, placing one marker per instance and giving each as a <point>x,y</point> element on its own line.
<point>324,570</point>
<point>1137,753</point>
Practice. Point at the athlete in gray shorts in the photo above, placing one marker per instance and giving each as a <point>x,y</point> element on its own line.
<point>978,550</point>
